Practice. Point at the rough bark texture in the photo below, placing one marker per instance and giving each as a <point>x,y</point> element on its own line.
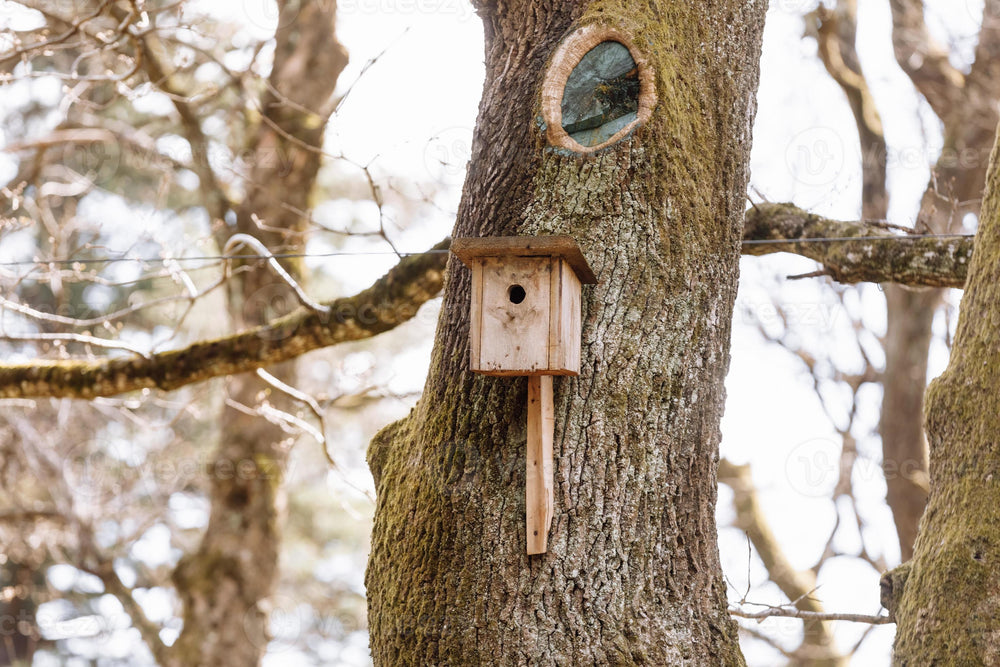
<point>950,601</point>
<point>632,573</point>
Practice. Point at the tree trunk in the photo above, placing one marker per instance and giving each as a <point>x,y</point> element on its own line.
<point>632,573</point>
<point>950,601</point>
<point>909,317</point>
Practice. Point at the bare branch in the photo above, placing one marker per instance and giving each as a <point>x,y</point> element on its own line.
<point>791,612</point>
<point>237,240</point>
<point>923,59</point>
<point>392,300</point>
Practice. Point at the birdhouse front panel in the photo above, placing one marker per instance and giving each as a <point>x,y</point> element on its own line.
<point>525,316</point>
<point>513,317</point>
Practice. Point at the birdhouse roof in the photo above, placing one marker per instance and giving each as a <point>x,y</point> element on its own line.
<point>468,249</point>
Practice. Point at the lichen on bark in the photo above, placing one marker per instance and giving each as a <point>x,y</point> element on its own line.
<point>632,575</point>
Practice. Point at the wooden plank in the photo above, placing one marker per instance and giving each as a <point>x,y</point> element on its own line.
<point>469,249</point>
<point>555,343</point>
<point>538,486</point>
<point>476,318</point>
<point>569,319</point>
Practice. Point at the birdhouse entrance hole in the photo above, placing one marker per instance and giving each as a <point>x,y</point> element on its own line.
<point>597,90</point>
<point>516,293</point>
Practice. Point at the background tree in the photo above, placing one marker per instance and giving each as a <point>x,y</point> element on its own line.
<point>955,82</point>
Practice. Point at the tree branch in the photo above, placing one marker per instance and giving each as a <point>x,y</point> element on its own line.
<point>915,261</point>
<point>923,59</point>
<point>789,612</point>
<point>392,300</point>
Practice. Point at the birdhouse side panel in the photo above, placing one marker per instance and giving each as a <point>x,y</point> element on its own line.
<point>514,315</point>
<point>564,330</point>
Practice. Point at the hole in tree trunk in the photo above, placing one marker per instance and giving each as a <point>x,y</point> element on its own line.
<point>601,95</point>
<point>598,89</point>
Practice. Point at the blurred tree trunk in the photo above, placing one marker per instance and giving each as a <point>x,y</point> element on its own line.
<point>20,583</point>
<point>224,585</point>
<point>967,106</point>
<point>632,573</point>
<point>909,313</point>
<point>949,603</point>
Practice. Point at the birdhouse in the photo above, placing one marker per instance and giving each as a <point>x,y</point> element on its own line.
<point>525,320</point>
<point>525,310</point>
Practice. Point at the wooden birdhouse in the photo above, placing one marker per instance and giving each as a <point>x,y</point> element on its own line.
<point>525,311</point>
<point>525,320</point>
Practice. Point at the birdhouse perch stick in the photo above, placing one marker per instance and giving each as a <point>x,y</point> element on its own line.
<point>538,495</point>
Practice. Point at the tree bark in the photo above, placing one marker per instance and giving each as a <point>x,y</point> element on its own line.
<point>950,601</point>
<point>632,574</point>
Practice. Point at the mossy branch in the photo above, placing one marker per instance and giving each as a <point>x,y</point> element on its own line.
<point>390,301</point>
<point>914,261</point>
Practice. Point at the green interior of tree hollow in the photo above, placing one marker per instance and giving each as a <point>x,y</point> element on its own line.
<point>601,95</point>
